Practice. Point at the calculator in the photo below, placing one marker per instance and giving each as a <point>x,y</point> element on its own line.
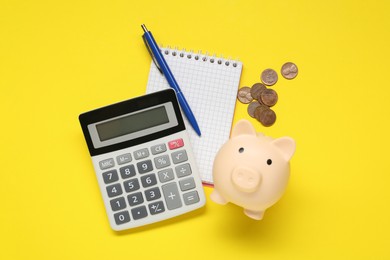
<point>143,160</point>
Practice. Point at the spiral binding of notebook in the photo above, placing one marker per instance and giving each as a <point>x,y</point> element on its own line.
<point>199,56</point>
<point>210,85</point>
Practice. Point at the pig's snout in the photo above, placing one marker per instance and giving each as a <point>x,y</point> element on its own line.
<point>246,179</point>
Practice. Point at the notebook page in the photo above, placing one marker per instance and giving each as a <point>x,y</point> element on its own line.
<point>211,91</point>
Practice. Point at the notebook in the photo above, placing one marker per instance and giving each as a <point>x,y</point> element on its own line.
<point>210,85</point>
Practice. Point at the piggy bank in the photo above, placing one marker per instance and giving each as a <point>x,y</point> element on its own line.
<point>252,170</point>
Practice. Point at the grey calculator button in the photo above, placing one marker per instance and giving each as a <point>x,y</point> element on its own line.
<point>162,161</point>
<point>110,176</point>
<point>172,196</point>
<point>179,156</point>
<point>148,180</point>
<point>107,163</point>
<point>160,148</point>
<point>122,217</point>
<point>156,207</point>
<point>131,185</point>
<point>142,153</point>
<point>117,204</point>
<point>127,171</point>
<point>153,194</point>
<point>124,158</point>
<point>166,175</point>
<point>187,184</point>
<point>183,170</point>
<point>191,197</point>
<point>135,198</point>
<point>144,166</point>
<point>114,190</point>
<point>139,212</point>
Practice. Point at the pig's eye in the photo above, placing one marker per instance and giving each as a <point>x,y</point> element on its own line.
<point>269,161</point>
<point>241,150</point>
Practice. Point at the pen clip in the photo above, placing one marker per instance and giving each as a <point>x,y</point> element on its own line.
<point>151,54</point>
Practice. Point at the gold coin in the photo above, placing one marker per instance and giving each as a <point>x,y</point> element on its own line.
<point>252,107</point>
<point>244,95</point>
<point>289,70</point>
<point>269,97</point>
<point>269,77</point>
<point>256,90</point>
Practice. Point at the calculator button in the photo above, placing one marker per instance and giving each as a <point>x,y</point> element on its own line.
<point>156,207</point>
<point>110,176</point>
<point>160,148</point>
<point>127,171</point>
<point>131,185</point>
<point>179,156</point>
<point>124,158</point>
<point>114,190</point>
<point>183,170</point>
<point>139,212</point>
<point>162,161</point>
<point>166,175</point>
<point>152,194</point>
<point>174,144</point>
<point>172,196</point>
<point>187,184</point>
<point>148,180</point>
<point>105,164</point>
<point>122,217</point>
<point>191,197</point>
<point>135,198</point>
<point>145,166</point>
<point>117,204</point>
<point>142,153</point>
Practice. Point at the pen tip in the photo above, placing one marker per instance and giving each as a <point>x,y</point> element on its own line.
<point>144,27</point>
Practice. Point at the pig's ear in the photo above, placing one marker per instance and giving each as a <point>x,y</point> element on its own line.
<point>243,127</point>
<point>286,146</point>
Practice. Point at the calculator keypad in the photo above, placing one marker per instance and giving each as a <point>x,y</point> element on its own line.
<point>156,207</point>
<point>122,217</point>
<point>114,190</point>
<point>166,175</point>
<point>124,158</point>
<point>145,166</point>
<point>158,179</point>
<point>106,164</point>
<point>172,195</point>
<point>110,176</point>
<point>127,171</point>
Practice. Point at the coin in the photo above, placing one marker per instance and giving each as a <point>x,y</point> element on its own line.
<point>269,97</point>
<point>265,115</point>
<point>269,77</point>
<point>259,110</point>
<point>256,90</point>
<point>289,70</point>
<point>244,95</point>
<point>252,107</point>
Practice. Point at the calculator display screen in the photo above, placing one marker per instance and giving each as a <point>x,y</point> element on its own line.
<point>132,123</point>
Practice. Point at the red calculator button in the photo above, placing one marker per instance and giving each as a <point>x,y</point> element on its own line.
<point>174,144</point>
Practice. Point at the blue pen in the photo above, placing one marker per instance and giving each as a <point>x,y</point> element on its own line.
<point>163,67</point>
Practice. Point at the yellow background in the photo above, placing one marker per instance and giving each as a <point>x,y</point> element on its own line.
<point>61,58</point>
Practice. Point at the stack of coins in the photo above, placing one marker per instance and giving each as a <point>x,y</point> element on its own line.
<point>261,98</point>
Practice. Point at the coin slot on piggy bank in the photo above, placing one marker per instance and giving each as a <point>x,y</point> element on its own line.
<point>252,170</point>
